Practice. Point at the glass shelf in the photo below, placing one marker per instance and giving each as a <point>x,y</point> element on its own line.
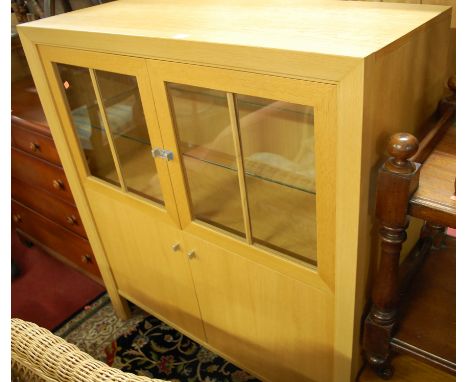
<point>84,126</point>
<point>231,166</point>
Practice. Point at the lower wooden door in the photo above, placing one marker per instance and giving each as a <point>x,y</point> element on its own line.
<point>146,260</point>
<point>269,323</point>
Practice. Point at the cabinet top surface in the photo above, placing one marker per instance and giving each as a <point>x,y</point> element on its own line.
<point>339,28</point>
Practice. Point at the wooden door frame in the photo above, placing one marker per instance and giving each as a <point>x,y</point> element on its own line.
<point>321,96</point>
<point>125,65</point>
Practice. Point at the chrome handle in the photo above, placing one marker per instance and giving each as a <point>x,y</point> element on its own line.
<point>191,254</point>
<point>162,153</point>
<point>175,247</point>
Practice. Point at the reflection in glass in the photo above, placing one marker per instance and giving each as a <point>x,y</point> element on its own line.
<point>87,121</point>
<point>278,152</point>
<point>127,124</point>
<point>201,117</point>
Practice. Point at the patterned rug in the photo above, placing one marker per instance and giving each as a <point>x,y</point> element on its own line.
<point>145,346</point>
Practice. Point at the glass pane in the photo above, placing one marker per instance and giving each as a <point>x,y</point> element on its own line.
<point>278,148</point>
<point>127,124</point>
<point>87,121</point>
<point>202,120</point>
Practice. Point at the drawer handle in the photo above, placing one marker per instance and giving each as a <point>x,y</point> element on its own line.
<point>17,218</point>
<point>191,254</point>
<point>34,146</point>
<point>86,259</point>
<point>58,184</point>
<point>175,247</point>
<point>72,219</point>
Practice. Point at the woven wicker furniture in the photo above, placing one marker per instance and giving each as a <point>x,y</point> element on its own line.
<point>37,355</point>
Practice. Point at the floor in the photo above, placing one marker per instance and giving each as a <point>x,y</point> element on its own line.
<point>408,369</point>
<point>47,292</point>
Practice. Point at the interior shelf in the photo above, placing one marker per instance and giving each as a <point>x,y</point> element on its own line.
<point>298,181</point>
<point>273,208</point>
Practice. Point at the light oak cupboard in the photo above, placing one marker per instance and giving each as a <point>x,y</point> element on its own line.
<point>222,156</point>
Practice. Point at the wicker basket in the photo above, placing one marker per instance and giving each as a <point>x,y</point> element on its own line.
<point>37,355</point>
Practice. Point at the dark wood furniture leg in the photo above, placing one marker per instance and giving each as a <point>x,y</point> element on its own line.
<point>397,180</point>
<point>435,232</point>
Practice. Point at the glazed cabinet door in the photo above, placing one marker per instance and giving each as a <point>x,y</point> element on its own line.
<point>107,112</point>
<point>106,107</point>
<point>254,163</point>
<point>254,182</point>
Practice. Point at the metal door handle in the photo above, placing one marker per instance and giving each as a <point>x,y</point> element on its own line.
<point>162,153</point>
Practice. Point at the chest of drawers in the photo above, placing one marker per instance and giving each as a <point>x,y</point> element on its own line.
<point>43,209</point>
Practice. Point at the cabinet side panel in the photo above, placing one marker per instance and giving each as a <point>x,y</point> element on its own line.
<point>403,88</point>
<point>408,82</point>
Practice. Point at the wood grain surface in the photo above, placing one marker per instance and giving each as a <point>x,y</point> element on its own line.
<point>301,26</point>
<point>47,205</point>
<point>277,326</point>
<point>36,144</point>
<point>41,174</point>
<point>26,108</point>
<point>433,199</point>
<point>72,247</point>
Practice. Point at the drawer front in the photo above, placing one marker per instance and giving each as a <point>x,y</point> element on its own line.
<point>66,243</point>
<point>39,173</point>
<point>36,144</point>
<point>47,205</point>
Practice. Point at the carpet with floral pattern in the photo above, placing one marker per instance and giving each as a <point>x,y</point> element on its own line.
<point>144,345</point>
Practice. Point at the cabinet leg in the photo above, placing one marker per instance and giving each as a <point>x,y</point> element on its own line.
<point>120,305</point>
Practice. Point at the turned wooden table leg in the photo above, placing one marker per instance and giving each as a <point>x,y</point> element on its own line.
<point>397,180</point>
<point>436,232</point>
